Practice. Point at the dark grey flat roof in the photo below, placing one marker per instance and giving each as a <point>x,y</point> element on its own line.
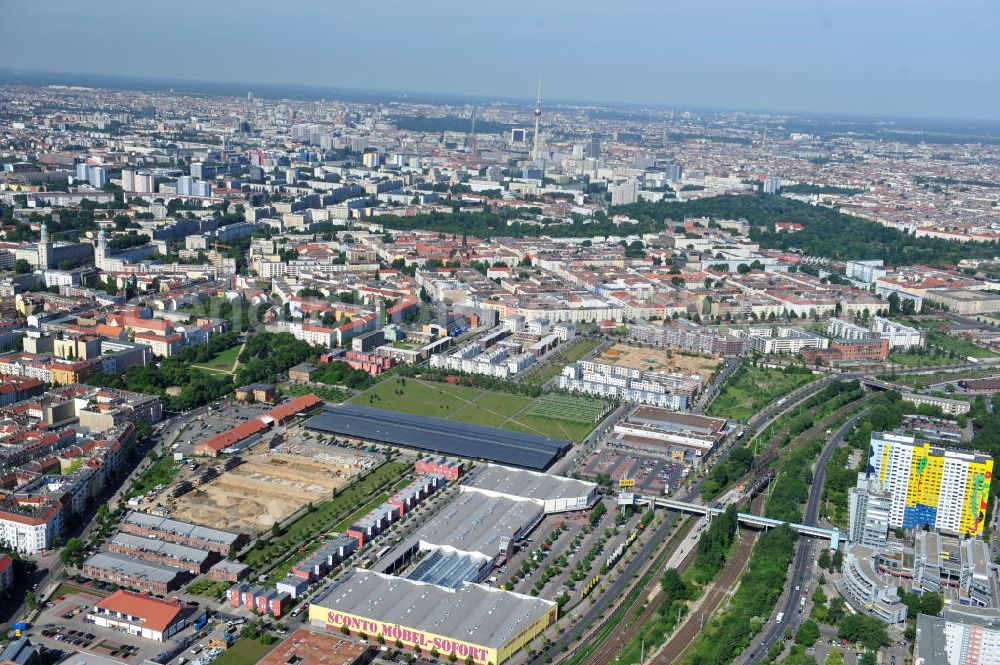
<point>438,435</point>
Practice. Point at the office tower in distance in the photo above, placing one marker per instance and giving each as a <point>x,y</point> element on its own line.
<point>623,193</point>
<point>97,176</point>
<point>674,172</point>
<point>200,188</point>
<point>184,184</point>
<point>772,185</point>
<point>144,182</point>
<point>128,180</point>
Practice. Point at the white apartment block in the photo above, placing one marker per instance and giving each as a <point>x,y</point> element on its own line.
<point>866,271</point>
<point>782,340</point>
<point>869,511</point>
<point>30,533</point>
<point>670,391</point>
<point>951,407</point>
<point>899,336</point>
<point>841,329</point>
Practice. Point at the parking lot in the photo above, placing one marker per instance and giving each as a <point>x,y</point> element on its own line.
<point>535,551</point>
<point>65,626</point>
<point>214,421</point>
<point>653,474</point>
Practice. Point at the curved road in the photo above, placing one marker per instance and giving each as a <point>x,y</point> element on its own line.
<point>804,550</point>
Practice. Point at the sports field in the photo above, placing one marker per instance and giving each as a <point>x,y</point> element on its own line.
<point>558,416</point>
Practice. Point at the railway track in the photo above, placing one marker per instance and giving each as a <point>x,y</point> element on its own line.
<point>612,646</point>
<point>684,635</point>
<point>764,462</point>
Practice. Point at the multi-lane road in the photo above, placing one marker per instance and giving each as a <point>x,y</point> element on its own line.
<point>773,631</point>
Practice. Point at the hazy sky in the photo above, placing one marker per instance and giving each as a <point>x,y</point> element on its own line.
<point>892,57</point>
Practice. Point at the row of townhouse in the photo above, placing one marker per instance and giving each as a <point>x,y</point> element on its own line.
<point>259,600</point>
<point>380,519</point>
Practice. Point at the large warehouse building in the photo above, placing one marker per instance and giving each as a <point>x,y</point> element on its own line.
<point>479,524</point>
<point>425,591</point>
<point>439,436</point>
<point>554,494</point>
<point>478,529</point>
<point>472,621</point>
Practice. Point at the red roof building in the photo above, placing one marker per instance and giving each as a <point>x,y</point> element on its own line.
<point>279,414</point>
<point>143,615</point>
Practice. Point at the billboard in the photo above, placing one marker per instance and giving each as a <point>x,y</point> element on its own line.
<point>410,637</point>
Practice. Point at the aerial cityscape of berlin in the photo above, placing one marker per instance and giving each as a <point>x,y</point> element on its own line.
<point>590,333</point>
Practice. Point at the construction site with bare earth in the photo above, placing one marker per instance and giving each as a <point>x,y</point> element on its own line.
<point>657,360</point>
<point>271,484</point>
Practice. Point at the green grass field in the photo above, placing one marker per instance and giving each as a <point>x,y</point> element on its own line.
<point>565,407</point>
<point>926,324</point>
<point>961,347</point>
<point>568,355</point>
<point>752,388</point>
<point>323,392</point>
<point>160,472</point>
<point>560,429</point>
<point>491,409</point>
<point>417,397</point>
<point>244,651</point>
<point>919,360</point>
<point>573,419</point>
<point>67,589</point>
<point>208,587</point>
<point>223,362</point>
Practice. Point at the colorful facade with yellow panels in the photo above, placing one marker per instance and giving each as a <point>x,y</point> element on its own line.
<point>977,496</point>
<point>931,486</point>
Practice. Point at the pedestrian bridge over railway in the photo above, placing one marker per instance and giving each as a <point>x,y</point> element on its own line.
<point>757,521</point>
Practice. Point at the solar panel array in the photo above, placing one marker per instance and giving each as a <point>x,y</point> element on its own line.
<point>437,435</point>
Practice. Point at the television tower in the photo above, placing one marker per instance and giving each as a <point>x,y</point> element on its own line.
<point>474,148</point>
<point>538,115</point>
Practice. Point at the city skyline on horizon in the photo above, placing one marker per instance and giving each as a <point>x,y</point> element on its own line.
<point>794,58</point>
<point>304,92</point>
